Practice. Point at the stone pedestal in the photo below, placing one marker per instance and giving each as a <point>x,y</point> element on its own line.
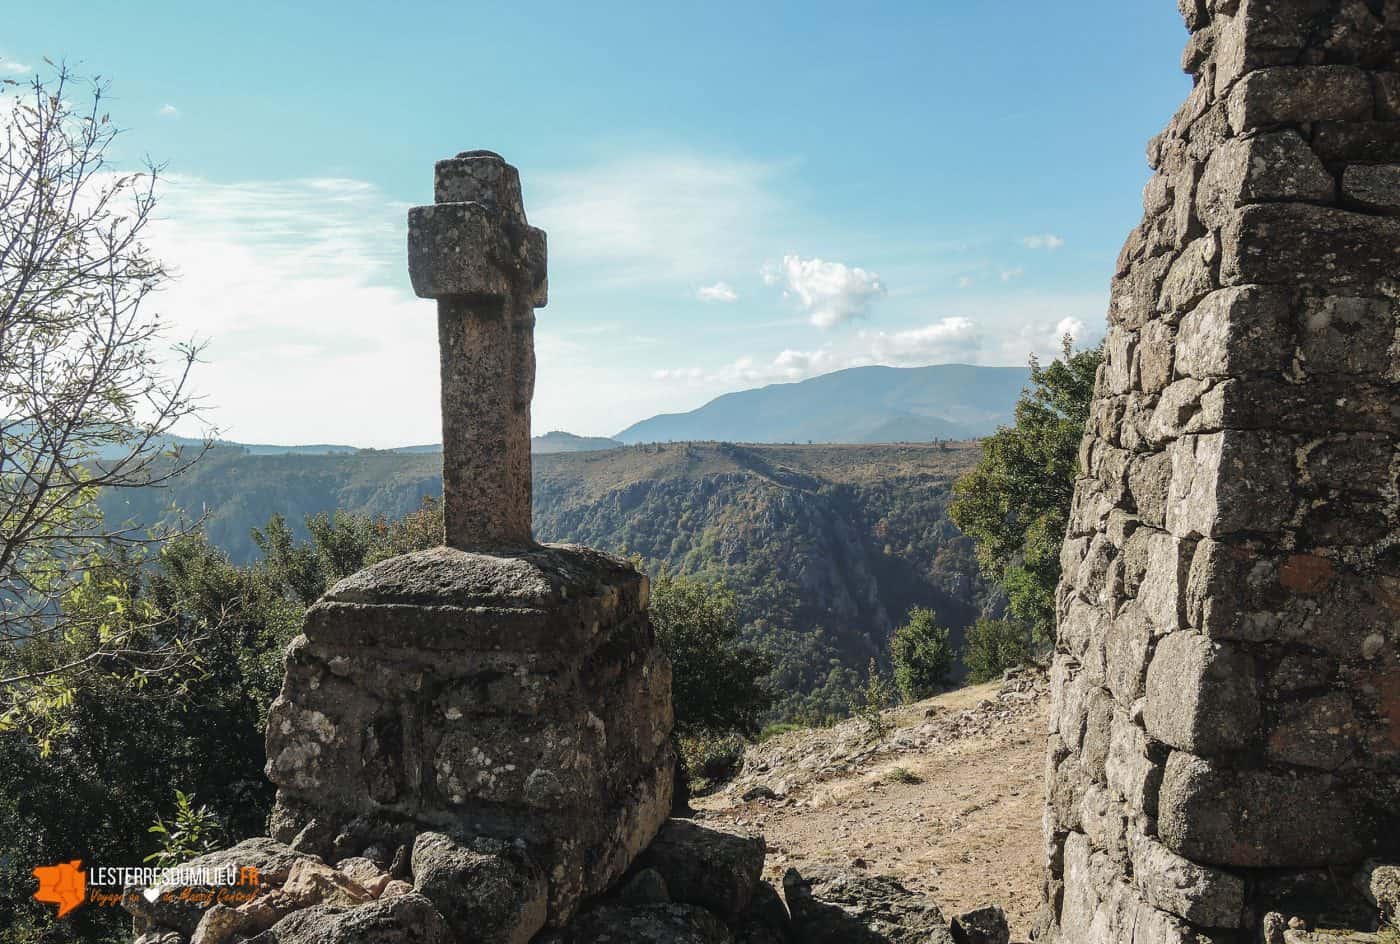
<point>521,698</point>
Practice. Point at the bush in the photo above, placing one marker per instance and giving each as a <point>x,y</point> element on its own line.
<point>711,756</point>
<point>773,730</point>
<point>716,683</point>
<point>922,655</point>
<point>901,775</point>
<point>993,646</point>
<point>876,698</point>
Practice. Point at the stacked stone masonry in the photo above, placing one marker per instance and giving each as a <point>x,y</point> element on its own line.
<point>521,699</point>
<point>1225,733</point>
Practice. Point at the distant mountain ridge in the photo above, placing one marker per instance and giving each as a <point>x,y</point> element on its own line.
<point>857,405</point>
<point>560,441</point>
<point>551,442</point>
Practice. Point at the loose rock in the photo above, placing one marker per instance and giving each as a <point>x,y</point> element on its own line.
<point>834,906</point>
<point>712,868</point>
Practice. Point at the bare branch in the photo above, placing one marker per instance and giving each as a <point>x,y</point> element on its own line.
<point>90,390</point>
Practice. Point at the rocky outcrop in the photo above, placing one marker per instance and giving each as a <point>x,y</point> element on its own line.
<point>695,885</point>
<point>1226,685</point>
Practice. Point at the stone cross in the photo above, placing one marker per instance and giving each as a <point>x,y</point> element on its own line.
<point>475,253</point>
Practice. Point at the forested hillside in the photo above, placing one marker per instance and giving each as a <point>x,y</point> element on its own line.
<point>826,547</point>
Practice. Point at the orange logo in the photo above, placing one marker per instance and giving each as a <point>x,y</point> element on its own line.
<point>61,885</point>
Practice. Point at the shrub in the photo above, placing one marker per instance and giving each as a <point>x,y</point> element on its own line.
<point>712,756</point>
<point>922,655</point>
<point>716,683</point>
<point>191,833</point>
<point>901,775</point>
<point>874,700</point>
<point>993,646</point>
<point>773,730</point>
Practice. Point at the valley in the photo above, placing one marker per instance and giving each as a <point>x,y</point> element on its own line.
<point>826,547</point>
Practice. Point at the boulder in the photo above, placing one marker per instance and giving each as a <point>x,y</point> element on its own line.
<point>767,920</point>
<point>1381,885</point>
<point>836,906</point>
<point>985,925</point>
<point>489,892</point>
<point>219,925</point>
<point>648,924</point>
<point>315,883</point>
<point>647,887</point>
<point>273,860</point>
<point>395,888</point>
<point>406,919</point>
<point>366,872</point>
<point>712,868</point>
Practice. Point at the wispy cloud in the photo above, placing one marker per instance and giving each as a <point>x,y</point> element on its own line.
<point>947,338</point>
<point>719,292</point>
<point>655,219</point>
<point>298,286</point>
<point>965,281</point>
<point>829,293</point>
<point>169,111</point>
<point>1011,275</point>
<point>11,67</point>
<point>938,342</point>
<point>1046,241</point>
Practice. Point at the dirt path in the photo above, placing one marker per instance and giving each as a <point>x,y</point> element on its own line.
<point>954,809</point>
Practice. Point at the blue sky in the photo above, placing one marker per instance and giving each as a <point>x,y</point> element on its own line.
<point>735,194</point>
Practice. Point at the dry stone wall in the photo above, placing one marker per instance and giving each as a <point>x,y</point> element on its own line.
<point>1225,734</point>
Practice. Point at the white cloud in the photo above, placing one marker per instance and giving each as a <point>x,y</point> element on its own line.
<point>653,219</point>
<point>1000,331</point>
<point>1044,338</point>
<point>965,281</point>
<point>681,373</point>
<point>1072,327</point>
<point>829,293</point>
<point>719,292</point>
<point>948,339</point>
<point>298,286</point>
<point>1011,275</point>
<point>14,68</point>
<point>1046,241</point>
<point>169,111</point>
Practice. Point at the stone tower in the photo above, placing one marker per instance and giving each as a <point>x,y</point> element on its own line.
<point>1225,733</point>
<point>492,689</point>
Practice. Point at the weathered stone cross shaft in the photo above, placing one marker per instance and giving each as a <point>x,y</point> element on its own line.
<point>476,254</point>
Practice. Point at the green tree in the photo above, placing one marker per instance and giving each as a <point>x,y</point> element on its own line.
<point>1015,504</point>
<point>922,655</point>
<point>717,684</point>
<point>990,647</point>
